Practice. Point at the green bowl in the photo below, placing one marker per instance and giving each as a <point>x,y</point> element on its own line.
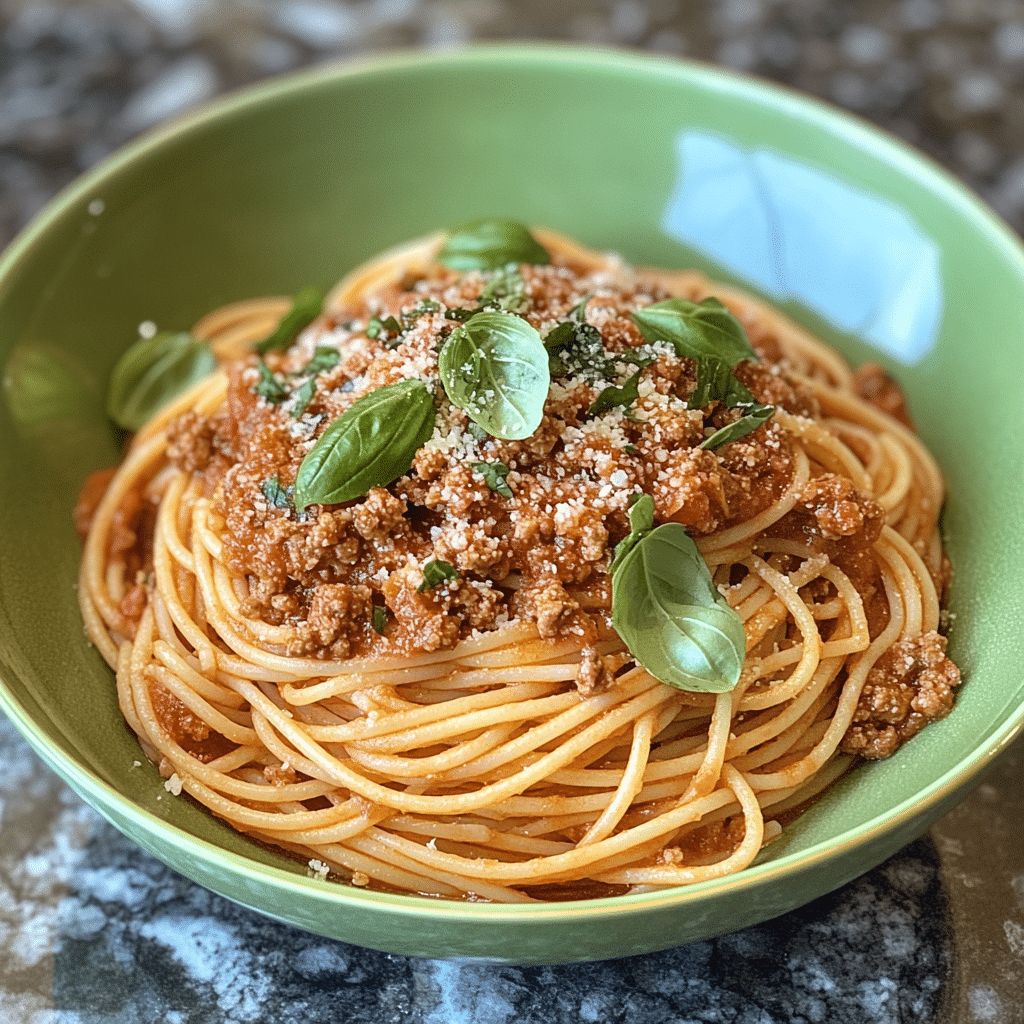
<point>295,181</point>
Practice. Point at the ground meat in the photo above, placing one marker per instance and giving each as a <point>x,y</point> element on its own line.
<point>840,510</point>
<point>688,488</point>
<point>546,603</point>
<point>379,516</point>
<point>338,613</point>
<point>190,442</point>
<point>422,617</point>
<point>594,674</point>
<point>874,385</point>
<point>911,685</point>
<point>527,524</point>
<point>89,498</point>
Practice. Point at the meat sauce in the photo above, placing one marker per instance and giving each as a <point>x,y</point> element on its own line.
<point>349,577</point>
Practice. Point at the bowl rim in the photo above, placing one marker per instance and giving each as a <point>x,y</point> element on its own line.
<point>752,90</point>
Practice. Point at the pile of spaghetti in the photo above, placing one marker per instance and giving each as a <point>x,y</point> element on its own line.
<point>443,612</point>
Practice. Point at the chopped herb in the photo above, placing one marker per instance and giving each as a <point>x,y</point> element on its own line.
<point>426,306</point>
<point>614,396</point>
<point>387,330</point>
<point>324,358</point>
<point>494,474</point>
<point>303,397</point>
<point>435,573</point>
<point>276,495</point>
<point>460,313</point>
<point>268,386</point>
<point>306,307</point>
<point>505,290</point>
<point>380,618</point>
<point>753,416</point>
<point>630,449</point>
<point>716,382</point>
<point>641,355</point>
<point>576,347</point>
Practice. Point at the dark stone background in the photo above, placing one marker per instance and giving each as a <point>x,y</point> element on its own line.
<point>79,78</point>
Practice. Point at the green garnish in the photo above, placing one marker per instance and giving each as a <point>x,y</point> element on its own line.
<point>303,397</point>
<point>410,316</point>
<point>494,474</point>
<point>153,372</point>
<point>751,419</point>
<point>576,347</point>
<point>380,618</point>
<point>667,610</point>
<point>495,369</point>
<point>505,290</point>
<point>268,386</point>
<point>324,358</point>
<point>612,397</point>
<point>306,307</point>
<point>387,330</point>
<point>696,330</point>
<point>371,444</point>
<point>489,244</point>
<point>435,573</point>
<point>276,495</point>
<point>709,333</point>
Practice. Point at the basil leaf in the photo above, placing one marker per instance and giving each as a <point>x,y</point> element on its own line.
<point>751,419</point>
<point>324,358</point>
<point>371,444</point>
<point>490,244</point>
<point>494,474</point>
<point>495,369</point>
<point>717,383</point>
<point>435,573</point>
<point>380,618</point>
<point>667,610</point>
<point>306,307</point>
<point>613,396</point>
<point>641,522</point>
<point>154,371</point>
<point>268,386</point>
<point>696,330</point>
<point>276,495</point>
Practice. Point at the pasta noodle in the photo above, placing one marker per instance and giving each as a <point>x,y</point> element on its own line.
<point>516,749</point>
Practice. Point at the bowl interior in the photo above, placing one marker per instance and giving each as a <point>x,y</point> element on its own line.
<point>671,164</point>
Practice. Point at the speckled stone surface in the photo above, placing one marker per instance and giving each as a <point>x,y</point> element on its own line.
<point>93,931</point>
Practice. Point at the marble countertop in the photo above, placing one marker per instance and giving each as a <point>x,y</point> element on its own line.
<point>94,931</point>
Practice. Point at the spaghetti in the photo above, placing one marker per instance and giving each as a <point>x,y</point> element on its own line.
<point>485,733</point>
